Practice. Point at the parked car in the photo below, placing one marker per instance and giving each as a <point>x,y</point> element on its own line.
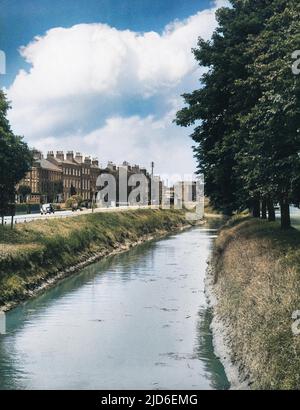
<point>47,209</point>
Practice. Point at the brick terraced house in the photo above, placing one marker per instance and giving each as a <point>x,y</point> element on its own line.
<point>57,177</point>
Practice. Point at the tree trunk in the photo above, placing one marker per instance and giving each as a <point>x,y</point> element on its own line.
<point>12,222</point>
<point>264,209</point>
<point>256,208</point>
<point>271,210</point>
<point>285,213</point>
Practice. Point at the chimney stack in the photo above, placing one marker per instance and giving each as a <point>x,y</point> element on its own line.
<point>136,168</point>
<point>78,157</point>
<point>60,155</point>
<point>50,155</point>
<point>87,160</point>
<point>70,156</point>
<point>95,162</point>
<point>111,166</point>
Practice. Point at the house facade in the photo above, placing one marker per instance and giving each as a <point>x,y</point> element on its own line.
<point>44,180</point>
<point>59,176</point>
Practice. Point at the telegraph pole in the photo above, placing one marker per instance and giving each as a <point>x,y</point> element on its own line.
<point>152,188</point>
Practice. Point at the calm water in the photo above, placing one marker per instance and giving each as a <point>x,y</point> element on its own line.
<point>138,320</point>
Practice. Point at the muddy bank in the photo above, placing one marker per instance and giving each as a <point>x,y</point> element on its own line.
<point>221,335</point>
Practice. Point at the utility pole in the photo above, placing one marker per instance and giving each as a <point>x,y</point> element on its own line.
<point>152,188</point>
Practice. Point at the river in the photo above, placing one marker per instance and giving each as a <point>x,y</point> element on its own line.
<point>138,320</point>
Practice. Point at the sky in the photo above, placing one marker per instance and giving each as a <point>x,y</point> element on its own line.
<point>105,77</point>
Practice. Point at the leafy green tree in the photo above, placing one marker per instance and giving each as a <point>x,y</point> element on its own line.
<point>15,159</point>
<point>247,136</point>
<point>221,100</point>
<point>269,159</point>
<point>73,191</point>
<point>74,201</point>
<point>23,191</point>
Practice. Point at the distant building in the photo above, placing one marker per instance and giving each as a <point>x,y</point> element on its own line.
<point>125,171</point>
<point>95,172</point>
<point>168,196</point>
<point>57,177</point>
<point>157,190</point>
<point>44,180</point>
<point>76,173</point>
<point>185,193</point>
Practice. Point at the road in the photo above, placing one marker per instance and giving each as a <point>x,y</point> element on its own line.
<point>295,214</point>
<point>295,217</point>
<point>68,214</point>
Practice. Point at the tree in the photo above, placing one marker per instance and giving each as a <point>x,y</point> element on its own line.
<point>73,190</point>
<point>74,201</point>
<point>269,158</point>
<point>247,142</point>
<point>15,159</point>
<point>221,101</point>
<point>23,191</point>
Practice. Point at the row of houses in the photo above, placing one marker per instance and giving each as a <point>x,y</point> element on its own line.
<point>58,176</point>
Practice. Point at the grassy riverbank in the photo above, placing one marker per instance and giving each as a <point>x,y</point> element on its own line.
<point>34,253</point>
<point>256,269</point>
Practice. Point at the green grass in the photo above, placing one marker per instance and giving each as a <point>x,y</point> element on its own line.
<point>34,252</point>
<point>257,275</point>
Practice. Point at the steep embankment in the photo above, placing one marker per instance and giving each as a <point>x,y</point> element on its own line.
<point>37,254</point>
<point>256,276</point>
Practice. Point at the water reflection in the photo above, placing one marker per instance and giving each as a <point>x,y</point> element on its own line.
<point>136,320</point>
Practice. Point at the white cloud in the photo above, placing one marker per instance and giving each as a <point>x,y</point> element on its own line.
<point>142,140</point>
<point>136,140</point>
<point>79,75</point>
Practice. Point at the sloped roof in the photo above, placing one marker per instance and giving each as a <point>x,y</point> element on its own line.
<point>45,164</point>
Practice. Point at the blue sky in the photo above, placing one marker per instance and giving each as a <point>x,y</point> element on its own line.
<point>104,64</point>
<point>22,20</point>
